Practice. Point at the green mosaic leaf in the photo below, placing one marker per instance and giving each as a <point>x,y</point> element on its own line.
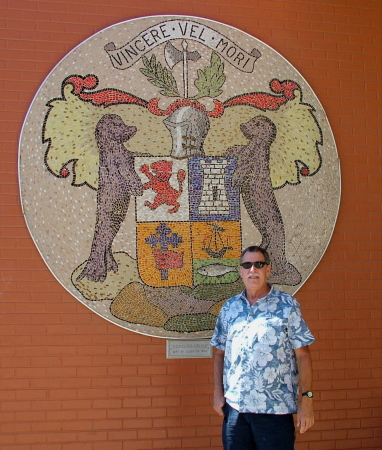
<point>211,79</point>
<point>160,76</point>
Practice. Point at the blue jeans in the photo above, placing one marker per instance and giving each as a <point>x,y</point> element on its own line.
<point>249,431</point>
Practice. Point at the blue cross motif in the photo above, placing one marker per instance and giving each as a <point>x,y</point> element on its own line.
<point>164,237</point>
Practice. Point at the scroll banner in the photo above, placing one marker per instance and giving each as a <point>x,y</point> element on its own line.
<point>126,56</point>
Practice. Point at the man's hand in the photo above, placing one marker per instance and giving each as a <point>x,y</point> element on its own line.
<point>305,414</point>
<point>219,402</point>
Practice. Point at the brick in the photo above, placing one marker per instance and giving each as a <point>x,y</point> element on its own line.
<point>165,444</point>
<point>321,445</point>
<point>77,446</point>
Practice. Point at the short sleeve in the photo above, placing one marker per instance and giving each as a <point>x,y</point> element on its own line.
<point>299,333</point>
<point>220,334</point>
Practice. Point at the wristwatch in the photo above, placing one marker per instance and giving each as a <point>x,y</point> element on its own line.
<point>307,394</point>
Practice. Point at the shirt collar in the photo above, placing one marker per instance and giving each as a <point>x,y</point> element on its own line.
<point>267,298</point>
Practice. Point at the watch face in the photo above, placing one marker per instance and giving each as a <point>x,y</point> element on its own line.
<point>308,394</point>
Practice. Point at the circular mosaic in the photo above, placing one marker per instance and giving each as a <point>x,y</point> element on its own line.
<point>158,149</point>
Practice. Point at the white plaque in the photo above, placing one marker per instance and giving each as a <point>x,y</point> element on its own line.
<point>188,349</point>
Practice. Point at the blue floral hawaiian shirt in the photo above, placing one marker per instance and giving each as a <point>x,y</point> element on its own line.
<point>260,370</point>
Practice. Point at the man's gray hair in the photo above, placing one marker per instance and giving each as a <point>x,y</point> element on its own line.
<point>255,249</point>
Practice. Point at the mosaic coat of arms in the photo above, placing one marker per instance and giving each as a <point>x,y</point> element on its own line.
<point>155,152</point>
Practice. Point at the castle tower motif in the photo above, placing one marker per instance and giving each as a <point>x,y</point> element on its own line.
<point>214,197</point>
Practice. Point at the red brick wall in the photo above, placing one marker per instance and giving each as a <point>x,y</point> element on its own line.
<point>70,380</point>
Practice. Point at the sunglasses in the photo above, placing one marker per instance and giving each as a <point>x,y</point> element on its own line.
<point>257,264</point>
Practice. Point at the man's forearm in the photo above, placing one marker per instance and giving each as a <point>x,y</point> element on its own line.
<point>305,413</point>
<point>218,370</point>
<point>305,370</point>
<point>219,399</point>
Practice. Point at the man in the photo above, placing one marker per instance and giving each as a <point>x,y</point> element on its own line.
<point>261,362</point>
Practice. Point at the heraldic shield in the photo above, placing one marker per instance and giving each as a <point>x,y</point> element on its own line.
<point>188,221</point>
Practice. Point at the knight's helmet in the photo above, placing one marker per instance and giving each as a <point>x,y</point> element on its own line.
<point>188,127</point>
